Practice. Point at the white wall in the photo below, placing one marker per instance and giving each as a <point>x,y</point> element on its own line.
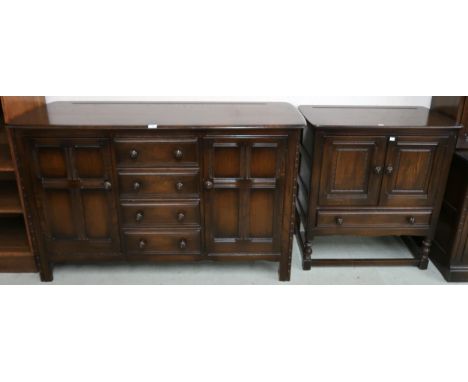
<point>296,100</point>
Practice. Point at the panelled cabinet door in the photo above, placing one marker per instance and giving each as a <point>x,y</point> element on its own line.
<point>412,170</point>
<point>74,191</point>
<point>243,188</point>
<point>351,172</point>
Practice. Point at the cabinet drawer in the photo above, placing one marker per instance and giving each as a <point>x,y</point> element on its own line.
<point>170,184</point>
<point>163,242</point>
<point>156,153</point>
<point>160,214</point>
<point>404,219</point>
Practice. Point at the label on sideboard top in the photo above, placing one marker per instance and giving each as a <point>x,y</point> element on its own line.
<point>152,126</point>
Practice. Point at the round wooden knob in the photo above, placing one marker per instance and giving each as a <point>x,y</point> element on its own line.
<point>179,186</point>
<point>142,244</point>
<point>183,244</point>
<point>209,185</point>
<point>339,220</point>
<point>180,216</point>
<point>107,185</point>
<point>134,154</point>
<point>178,154</point>
<point>139,216</point>
<point>412,220</point>
<point>136,186</point>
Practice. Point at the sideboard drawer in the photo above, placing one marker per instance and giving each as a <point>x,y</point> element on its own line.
<point>173,184</point>
<point>160,213</point>
<point>404,219</point>
<point>156,153</point>
<point>177,242</point>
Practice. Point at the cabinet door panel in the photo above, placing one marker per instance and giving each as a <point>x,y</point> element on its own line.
<point>412,171</point>
<point>73,182</point>
<point>350,170</point>
<point>243,202</point>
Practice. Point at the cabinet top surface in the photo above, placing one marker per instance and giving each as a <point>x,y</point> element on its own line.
<point>164,115</point>
<point>366,116</point>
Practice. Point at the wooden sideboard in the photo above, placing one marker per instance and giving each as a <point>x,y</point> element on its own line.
<point>151,182</point>
<point>372,171</point>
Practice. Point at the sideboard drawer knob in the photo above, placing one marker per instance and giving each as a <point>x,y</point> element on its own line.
<point>107,185</point>
<point>412,220</point>
<point>180,216</point>
<point>378,170</point>
<point>142,244</point>
<point>134,154</point>
<point>178,154</point>
<point>139,216</point>
<point>389,170</point>
<point>339,220</point>
<point>179,186</point>
<point>137,186</point>
<point>183,244</point>
<point>209,185</point>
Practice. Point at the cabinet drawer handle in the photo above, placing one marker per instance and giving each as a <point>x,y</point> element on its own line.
<point>107,185</point>
<point>183,244</point>
<point>339,220</point>
<point>142,244</point>
<point>137,186</point>
<point>139,216</point>
<point>389,170</point>
<point>180,216</point>
<point>412,220</point>
<point>209,185</point>
<point>178,154</point>
<point>179,186</point>
<point>134,154</point>
<point>378,170</point>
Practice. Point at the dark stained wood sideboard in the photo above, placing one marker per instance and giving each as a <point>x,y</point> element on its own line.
<point>153,182</point>
<point>372,171</point>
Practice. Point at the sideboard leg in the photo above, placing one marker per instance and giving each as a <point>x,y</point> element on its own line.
<point>284,271</point>
<point>46,273</point>
<point>425,249</point>
<point>307,256</point>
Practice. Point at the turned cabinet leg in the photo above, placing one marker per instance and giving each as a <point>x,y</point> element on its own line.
<point>425,249</point>
<point>307,256</point>
<point>46,273</point>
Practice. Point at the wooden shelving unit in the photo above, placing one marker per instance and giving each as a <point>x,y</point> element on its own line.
<point>15,252</point>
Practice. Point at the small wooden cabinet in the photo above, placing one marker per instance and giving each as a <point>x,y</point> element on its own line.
<point>372,171</point>
<point>159,182</point>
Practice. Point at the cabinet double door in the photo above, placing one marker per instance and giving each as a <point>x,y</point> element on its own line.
<point>243,188</point>
<point>73,184</point>
<point>387,171</point>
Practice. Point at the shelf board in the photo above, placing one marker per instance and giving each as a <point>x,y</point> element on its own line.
<point>9,199</point>
<point>6,164</point>
<point>15,254</point>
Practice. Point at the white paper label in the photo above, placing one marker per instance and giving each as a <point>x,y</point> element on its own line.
<point>153,126</point>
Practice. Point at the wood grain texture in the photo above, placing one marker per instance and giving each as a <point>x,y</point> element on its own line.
<point>16,106</point>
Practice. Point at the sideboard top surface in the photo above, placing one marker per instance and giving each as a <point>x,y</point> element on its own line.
<point>378,116</point>
<point>167,115</point>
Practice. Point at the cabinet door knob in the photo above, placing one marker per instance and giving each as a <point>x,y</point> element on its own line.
<point>179,186</point>
<point>137,186</point>
<point>107,185</point>
<point>209,185</point>
<point>180,216</point>
<point>378,170</point>
<point>134,154</point>
<point>139,216</point>
<point>142,244</point>
<point>339,220</point>
<point>412,220</point>
<point>178,154</point>
<point>183,244</point>
<point>389,170</point>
